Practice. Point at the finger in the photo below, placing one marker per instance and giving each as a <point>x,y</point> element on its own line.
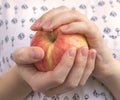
<point>89,30</point>
<point>93,37</point>
<point>83,28</point>
<point>28,55</point>
<point>47,17</point>
<point>74,76</point>
<point>42,81</point>
<point>63,18</point>
<point>89,67</point>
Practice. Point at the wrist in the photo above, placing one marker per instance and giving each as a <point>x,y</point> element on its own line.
<point>12,81</point>
<point>21,80</point>
<point>111,70</point>
<point>22,87</point>
<point>112,80</point>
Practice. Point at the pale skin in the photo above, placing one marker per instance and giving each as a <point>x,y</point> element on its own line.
<point>18,82</point>
<point>62,78</point>
<point>107,69</point>
<point>12,86</point>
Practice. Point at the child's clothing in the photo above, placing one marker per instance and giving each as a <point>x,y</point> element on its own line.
<point>16,17</point>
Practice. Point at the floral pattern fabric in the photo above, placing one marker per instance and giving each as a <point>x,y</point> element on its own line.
<point>16,17</point>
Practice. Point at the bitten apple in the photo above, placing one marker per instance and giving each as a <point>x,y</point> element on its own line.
<point>55,44</point>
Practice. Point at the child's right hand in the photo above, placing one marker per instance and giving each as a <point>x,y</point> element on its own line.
<point>71,72</point>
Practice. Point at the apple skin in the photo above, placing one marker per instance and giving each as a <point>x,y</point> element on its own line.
<point>55,44</point>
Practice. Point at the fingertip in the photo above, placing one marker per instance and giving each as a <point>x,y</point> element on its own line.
<point>33,28</point>
<point>37,53</point>
<point>93,53</point>
<point>72,51</point>
<point>36,26</point>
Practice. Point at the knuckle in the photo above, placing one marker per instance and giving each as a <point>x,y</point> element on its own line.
<point>17,55</point>
<point>21,58</point>
<point>75,14</point>
<point>64,8</point>
<point>72,85</point>
<point>69,64</point>
<point>35,89</point>
<point>81,63</point>
<point>86,26</point>
<point>78,16</point>
<point>44,17</point>
<point>33,86</point>
<point>59,81</point>
<point>58,78</point>
<point>81,84</point>
<point>66,63</point>
<point>90,67</point>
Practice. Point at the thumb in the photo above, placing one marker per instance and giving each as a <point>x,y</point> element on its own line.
<point>89,30</point>
<point>28,55</point>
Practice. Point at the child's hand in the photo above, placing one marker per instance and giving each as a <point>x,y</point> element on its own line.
<point>72,70</point>
<point>107,69</point>
<point>71,22</point>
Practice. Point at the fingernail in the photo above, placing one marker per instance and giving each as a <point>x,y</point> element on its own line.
<point>36,54</point>
<point>36,24</point>
<point>84,51</point>
<point>93,55</point>
<point>72,52</point>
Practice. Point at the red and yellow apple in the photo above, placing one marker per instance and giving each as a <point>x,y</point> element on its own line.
<point>55,44</point>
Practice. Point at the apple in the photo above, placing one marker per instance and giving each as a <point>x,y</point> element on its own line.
<point>54,44</point>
